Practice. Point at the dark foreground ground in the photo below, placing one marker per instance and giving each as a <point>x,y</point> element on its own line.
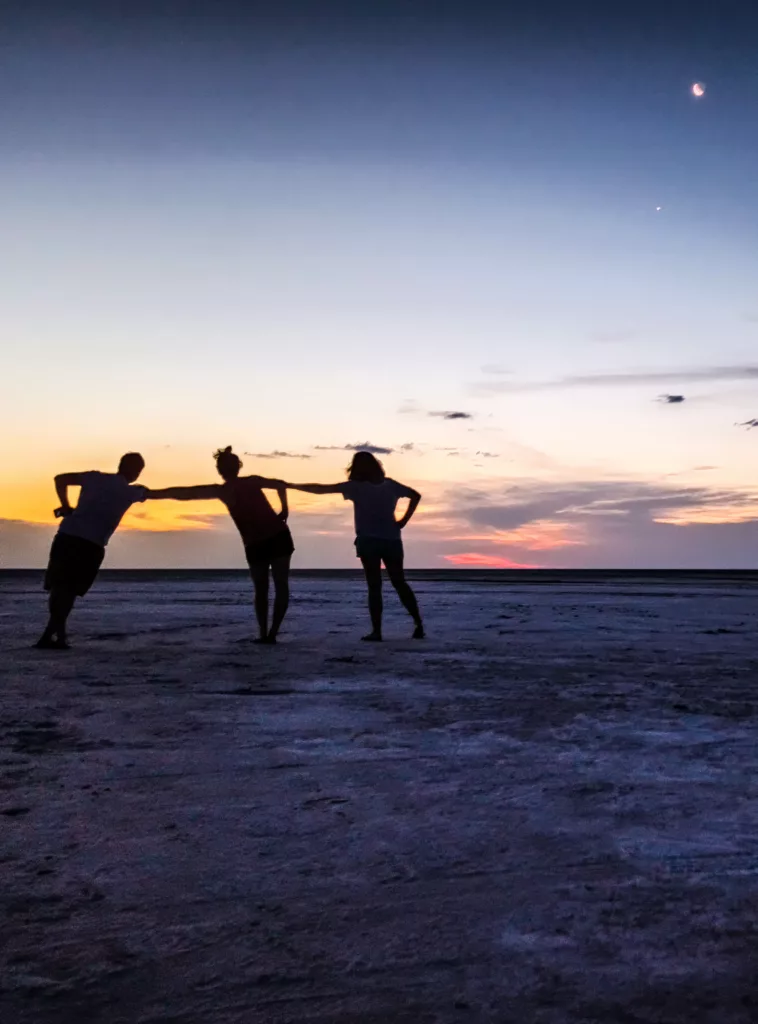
<point>547,812</point>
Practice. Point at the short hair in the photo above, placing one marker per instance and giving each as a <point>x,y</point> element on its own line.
<point>366,467</point>
<point>131,458</point>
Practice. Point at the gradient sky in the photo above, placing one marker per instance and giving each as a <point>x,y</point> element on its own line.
<point>295,233</point>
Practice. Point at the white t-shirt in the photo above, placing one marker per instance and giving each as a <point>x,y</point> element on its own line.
<point>375,507</point>
<point>104,499</point>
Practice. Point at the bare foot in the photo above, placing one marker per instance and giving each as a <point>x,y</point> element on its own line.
<point>48,644</point>
<point>418,633</point>
<point>373,637</point>
<point>265,640</point>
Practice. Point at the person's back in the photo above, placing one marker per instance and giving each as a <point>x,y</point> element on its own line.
<point>374,505</point>
<point>378,533</point>
<point>103,501</point>
<point>264,532</point>
<point>78,547</point>
<point>250,509</point>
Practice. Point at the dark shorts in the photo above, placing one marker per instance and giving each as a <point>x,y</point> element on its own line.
<point>267,551</point>
<point>378,547</point>
<point>73,565</point>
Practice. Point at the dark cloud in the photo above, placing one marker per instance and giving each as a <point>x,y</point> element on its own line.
<point>375,449</point>
<point>277,455</point>
<point>626,378</point>
<point>590,501</point>
<point>749,424</point>
<point>455,415</point>
<point>671,399</point>
<point>488,455</point>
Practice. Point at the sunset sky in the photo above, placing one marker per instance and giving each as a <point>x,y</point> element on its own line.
<point>297,233</point>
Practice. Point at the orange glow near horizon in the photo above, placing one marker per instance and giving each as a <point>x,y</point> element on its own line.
<point>541,535</point>
<point>476,560</point>
<point>35,503</point>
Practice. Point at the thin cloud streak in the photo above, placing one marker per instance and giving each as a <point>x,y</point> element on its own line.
<point>624,379</point>
<point>277,455</point>
<point>375,449</point>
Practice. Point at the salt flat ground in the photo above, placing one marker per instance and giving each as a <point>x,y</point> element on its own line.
<point>546,812</point>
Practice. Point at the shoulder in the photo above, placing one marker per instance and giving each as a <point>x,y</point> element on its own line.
<point>402,489</point>
<point>94,478</point>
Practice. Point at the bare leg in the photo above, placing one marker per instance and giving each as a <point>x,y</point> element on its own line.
<point>259,573</point>
<point>372,567</point>
<point>397,578</point>
<point>60,603</point>
<point>280,572</point>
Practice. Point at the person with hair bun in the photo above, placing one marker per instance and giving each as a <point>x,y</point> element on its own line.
<point>265,534</point>
<point>375,497</point>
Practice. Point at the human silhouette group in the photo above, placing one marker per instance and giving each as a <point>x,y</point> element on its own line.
<point>79,545</point>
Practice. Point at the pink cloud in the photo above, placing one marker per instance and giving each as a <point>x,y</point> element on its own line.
<point>474,560</point>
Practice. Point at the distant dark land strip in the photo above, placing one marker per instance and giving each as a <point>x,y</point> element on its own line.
<point>536,577</point>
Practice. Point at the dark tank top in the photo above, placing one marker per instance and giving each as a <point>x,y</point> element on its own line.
<point>250,509</point>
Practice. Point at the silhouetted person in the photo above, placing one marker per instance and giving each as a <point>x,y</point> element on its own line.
<point>265,534</point>
<point>377,540</point>
<point>79,545</point>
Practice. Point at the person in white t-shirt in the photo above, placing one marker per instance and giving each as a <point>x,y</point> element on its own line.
<point>375,497</point>
<point>79,545</point>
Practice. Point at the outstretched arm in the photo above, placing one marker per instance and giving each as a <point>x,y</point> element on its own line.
<point>199,493</point>
<point>62,483</point>
<point>317,488</point>
<point>415,498</point>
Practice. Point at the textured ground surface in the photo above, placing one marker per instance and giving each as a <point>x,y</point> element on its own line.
<point>546,812</point>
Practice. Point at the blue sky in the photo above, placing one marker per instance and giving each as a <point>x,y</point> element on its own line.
<point>296,233</point>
